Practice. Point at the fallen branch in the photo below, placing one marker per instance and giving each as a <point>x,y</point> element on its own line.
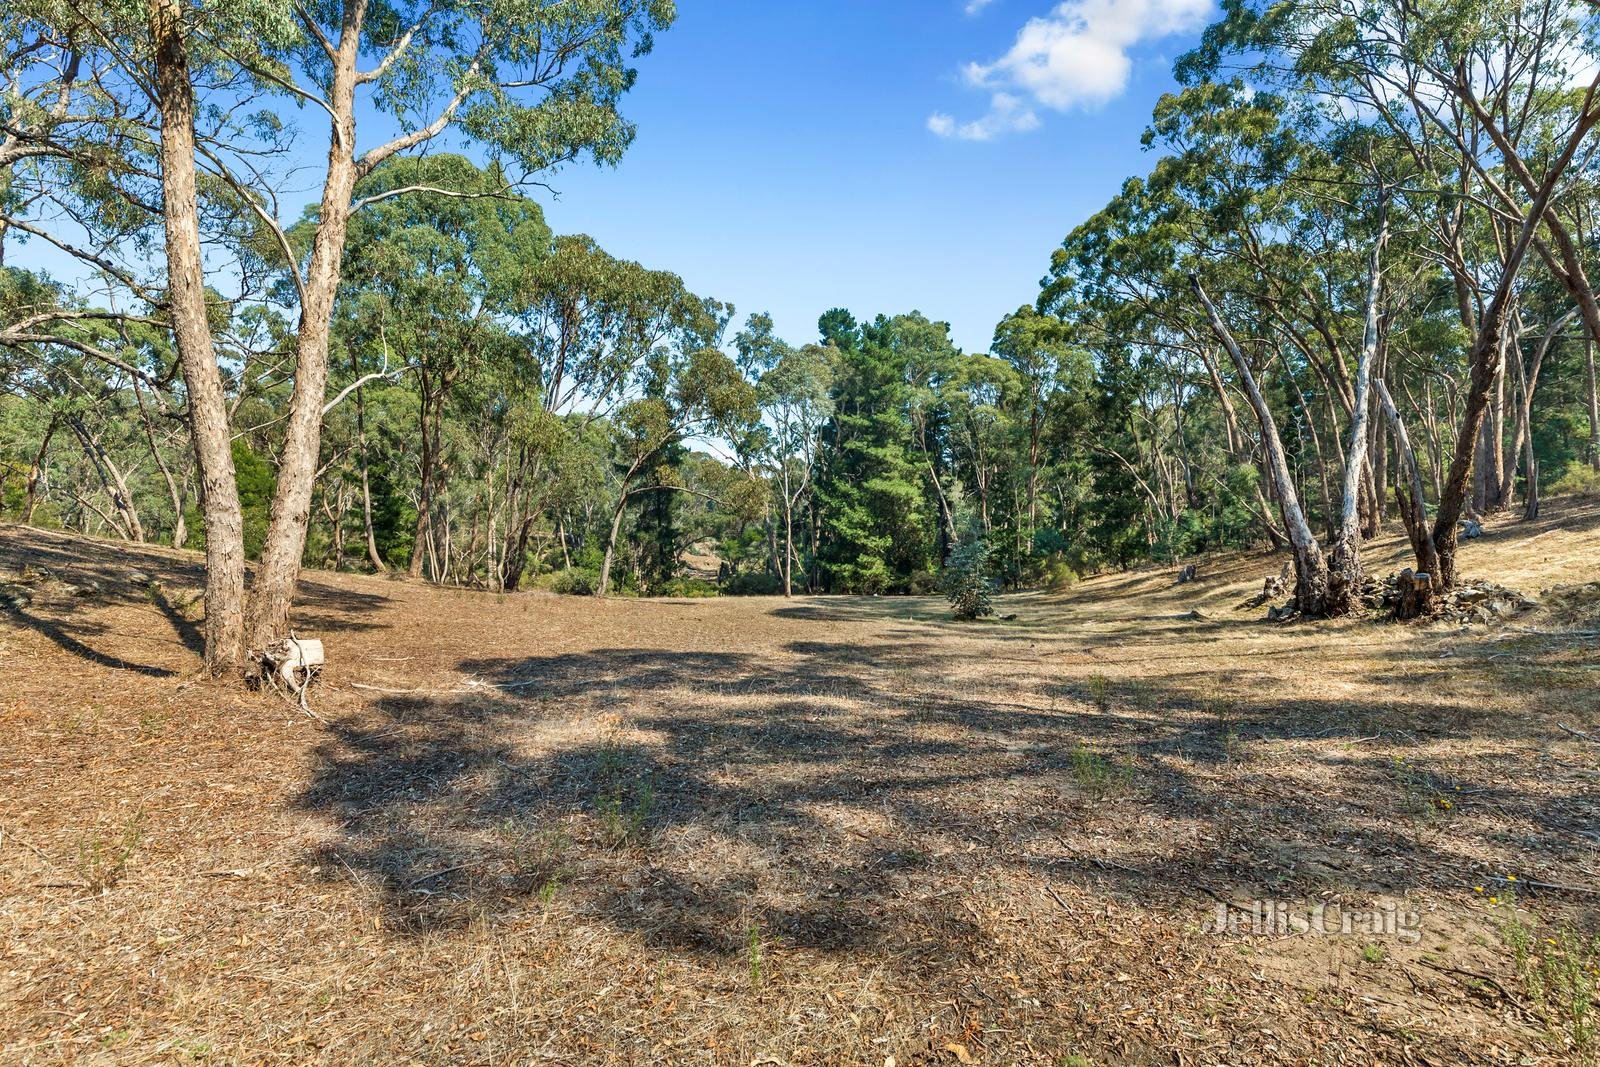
<point>1048,888</point>
<point>1575,732</point>
<point>440,874</point>
<point>1472,974</point>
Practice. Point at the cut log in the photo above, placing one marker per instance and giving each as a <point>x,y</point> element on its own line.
<point>295,661</point>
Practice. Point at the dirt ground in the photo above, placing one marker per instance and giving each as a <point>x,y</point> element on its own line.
<point>529,829</point>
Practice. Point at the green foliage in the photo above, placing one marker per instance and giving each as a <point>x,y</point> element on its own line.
<point>1558,967</point>
<point>966,582</point>
<point>1579,478</point>
<point>871,489</point>
<point>690,588</point>
<point>1099,775</point>
<point>573,581</point>
<point>752,583</point>
<point>257,483</point>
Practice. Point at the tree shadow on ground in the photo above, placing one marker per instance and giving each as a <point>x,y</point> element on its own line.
<point>841,793</point>
<point>78,585</point>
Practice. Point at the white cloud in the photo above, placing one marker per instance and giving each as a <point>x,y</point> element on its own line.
<point>1008,113</point>
<point>1077,56</point>
<point>975,6</point>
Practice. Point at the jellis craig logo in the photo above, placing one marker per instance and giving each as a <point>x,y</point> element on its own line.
<point>1269,918</point>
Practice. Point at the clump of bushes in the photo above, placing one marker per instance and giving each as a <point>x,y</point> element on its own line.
<point>1579,478</point>
<point>966,582</point>
<point>697,588</point>
<point>756,583</point>
<point>574,581</point>
<point>1058,576</point>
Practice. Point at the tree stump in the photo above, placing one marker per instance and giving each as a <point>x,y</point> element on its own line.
<point>1190,573</point>
<point>1274,588</point>
<point>1414,594</point>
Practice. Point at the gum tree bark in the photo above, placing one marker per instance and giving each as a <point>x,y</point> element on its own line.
<point>1310,565</point>
<point>208,414</point>
<point>36,470</point>
<point>279,571</point>
<point>1413,512</point>
<point>1488,348</point>
<point>1344,569</point>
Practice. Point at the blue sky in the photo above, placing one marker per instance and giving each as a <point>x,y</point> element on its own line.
<point>880,155</point>
<point>797,156</point>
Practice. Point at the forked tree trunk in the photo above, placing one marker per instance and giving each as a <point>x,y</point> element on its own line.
<point>208,413</point>
<point>1310,566</point>
<point>1344,566</point>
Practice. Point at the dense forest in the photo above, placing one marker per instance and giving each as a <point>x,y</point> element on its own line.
<point>1353,291</point>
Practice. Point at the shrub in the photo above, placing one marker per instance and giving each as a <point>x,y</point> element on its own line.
<point>966,581</point>
<point>755,583</point>
<point>1577,479</point>
<point>574,581</point>
<point>697,588</point>
<point>1058,576</point>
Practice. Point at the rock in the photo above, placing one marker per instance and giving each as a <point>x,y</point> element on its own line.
<point>1190,573</point>
<point>1471,528</point>
<point>1197,616</point>
<point>15,596</point>
<point>138,578</point>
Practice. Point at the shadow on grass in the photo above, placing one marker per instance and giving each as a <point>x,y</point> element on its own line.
<point>113,574</point>
<point>838,790</point>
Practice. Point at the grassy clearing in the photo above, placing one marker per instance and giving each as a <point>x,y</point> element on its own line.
<point>797,832</point>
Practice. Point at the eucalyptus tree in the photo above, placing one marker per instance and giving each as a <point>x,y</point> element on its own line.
<point>688,389</point>
<point>537,85</point>
<point>794,395</point>
<point>433,279</point>
<point>1039,348</point>
<point>1494,102</point>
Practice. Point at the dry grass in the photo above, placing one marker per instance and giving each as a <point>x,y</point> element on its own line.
<point>803,832</point>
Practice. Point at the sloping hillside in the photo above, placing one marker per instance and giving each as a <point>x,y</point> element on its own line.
<point>799,832</point>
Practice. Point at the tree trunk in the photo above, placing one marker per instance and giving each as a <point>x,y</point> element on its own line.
<point>788,536</point>
<point>611,542</point>
<point>36,470</point>
<point>208,413</point>
<point>1594,403</point>
<point>1528,385</point>
<point>1488,347</point>
<point>1344,565</point>
<point>423,529</point>
<point>1413,512</point>
<point>279,571</point>
<point>370,534</point>
<point>180,530</point>
<point>1311,567</point>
